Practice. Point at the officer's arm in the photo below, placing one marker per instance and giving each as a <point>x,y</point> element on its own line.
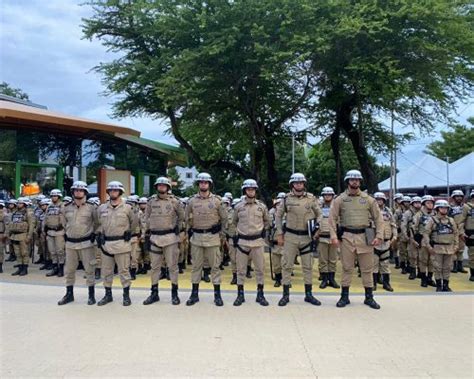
<point>222,216</point>
<point>62,217</point>
<point>29,220</point>
<point>462,221</point>
<point>377,218</point>
<point>99,223</point>
<point>235,215</point>
<point>393,224</point>
<point>188,215</point>
<point>404,225</point>
<point>133,219</point>
<point>425,242</point>
<point>318,214</point>
<point>279,214</point>
<point>146,220</point>
<point>179,213</point>
<point>267,223</point>
<point>95,219</point>
<point>456,237</point>
<point>334,217</point>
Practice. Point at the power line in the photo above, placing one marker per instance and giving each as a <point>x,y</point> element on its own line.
<point>422,169</point>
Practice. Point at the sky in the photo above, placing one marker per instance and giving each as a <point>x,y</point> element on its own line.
<point>43,53</point>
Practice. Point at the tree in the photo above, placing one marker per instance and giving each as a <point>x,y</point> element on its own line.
<point>455,144</point>
<point>6,89</point>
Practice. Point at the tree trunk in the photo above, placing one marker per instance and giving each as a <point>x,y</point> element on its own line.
<point>335,138</point>
<point>272,175</point>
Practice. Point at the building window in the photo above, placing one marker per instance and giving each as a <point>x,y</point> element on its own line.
<point>189,175</point>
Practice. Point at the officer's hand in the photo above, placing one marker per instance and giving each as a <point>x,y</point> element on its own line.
<point>431,250</point>
<point>280,240</point>
<point>335,242</point>
<point>376,242</point>
<point>463,237</point>
<point>416,244</point>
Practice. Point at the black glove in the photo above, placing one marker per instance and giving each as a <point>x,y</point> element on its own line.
<point>92,237</point>
<point>100,240</point>
<point>127,236</point>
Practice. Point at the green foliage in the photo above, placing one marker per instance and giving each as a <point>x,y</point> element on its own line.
<point>8,90</point>
<point>455,144</point>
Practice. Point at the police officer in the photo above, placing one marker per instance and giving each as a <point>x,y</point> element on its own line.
<point>54,231</point>
<point>419,224</point>
<point>398,215</point>
<point>468,227</point>
<point>327,251</point>
<point>80,222</point>
<point>408,233</point>
<point>95,202</point>
<point>3,237</point>
<point>302,213</point>
<point>132,200</point>
<point>229,232</point>
<point>354,210</point>
<point>456,211</point>
<point>37,213</point>
<point>252,223</point>
<point>163,217</point>
<point>403,240</point>
<point>441,240</point>
<point>117,221</point>
<point>276,252</point>
<point>20,233</point>
<point>143,253</point>
<point>11,208</point>
<point>205,219</point>
<point>382,251</point>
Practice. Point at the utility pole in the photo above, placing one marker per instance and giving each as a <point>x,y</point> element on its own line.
<point>292,152</point>
<point>447,175</point>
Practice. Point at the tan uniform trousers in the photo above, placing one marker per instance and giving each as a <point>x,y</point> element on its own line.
<point>413,253</point>
<point>56,247</point>
<point>443,264</point>
<point>202,254</point>
<point>2,248</point>
<point>426,260</point>
<point>232,255</point>
<point>87,256</point>
<point>123,263</point>
<point>254,253</point>
<point>327,257</point>
<point>470,254</point>
<point>395,246</point>
<point>381,262</point>
<point>353,248</point>
<point>98,257</point>
<point>459,254</point>
<point>277,257</point>
<point>134,255</point>
<point>157,255</point>
<point>290,251</point>
<point>21,251</point>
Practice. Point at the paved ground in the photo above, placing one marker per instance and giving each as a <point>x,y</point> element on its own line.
<point>413,335</point>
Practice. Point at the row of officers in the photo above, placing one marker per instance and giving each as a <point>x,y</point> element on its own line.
<point>421,235</point>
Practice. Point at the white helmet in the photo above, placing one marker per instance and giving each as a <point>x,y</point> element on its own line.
<point>115,185</point>
<point>80,185</point>
<point>297,177</point>
<point>45,201</point>
<point>457,193</point>
<point>353,174</point>
<point>327,191</point>
<point>380,195</point>
<point>398,196</point>
<point>441,204</point>
<point>415,199</point>
<point>133,198</point>
<point>67,199</point>
<point>23,200</point>
<point>2,203</point>
<point>162,180</point>
<point>406,199</point>
<point>427,198</point>
<point>281,195</point>
<point>203,177</point>
<point>472,193</point>
<point>228,195</point>
<point>12,201</point>
<point>56,192</point>
<point>142,200</point>
<point>226,200</point>
<point>235,201</point>
<point>249,183</point>
<point>40,197</point>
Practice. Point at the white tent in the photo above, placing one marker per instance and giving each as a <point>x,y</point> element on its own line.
<point>461,172</point>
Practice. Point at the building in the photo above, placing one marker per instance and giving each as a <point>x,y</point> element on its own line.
<point>41,150</point>
<point>187,175</point>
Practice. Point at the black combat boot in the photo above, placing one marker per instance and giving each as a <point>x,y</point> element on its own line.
<point>332,280</point>
<point>446,286</point>
<point>174,295</point>
<point>461,268</point>
<point>107,298</point>
<point>206,271</point>
<point>471,278</point>
<point>180,268</point>
<point>126,297</point>
<point>261,296</point>
<point>454,270</point>
<point>1,268</point>
<point>194,298</point>
<point>278,278</point>
<point>39,261</point>
<point>397,262</point>
<point>133,273</point>
<point>11,258</point>
<point>430,280</point>
<point>240,296</point>
<point>140,270</point>
<point>146,267</point>
<point>97,273</point>
<point>439,285</point>
<point>91,298</point>
<point>412,273</point>
<point>68,297</point>
<point>217,295</point>
<point>403,266</point>
<point>46,265</point>
<point>61,270</point>
<point>18,270</point>
<point>369,299</point>
<point>286,296</point>
<point>374,279</point>
<point>344,300</point>
<point>309,298</point>
<point>379,278</point>
<point>153,298</point>
<point>24,270</point>
<point>249,272</point>
<point>324,282</point>
<point>234,278</point>
<point>386,282</point>
<point>424,280</point>
<point>54,271</point>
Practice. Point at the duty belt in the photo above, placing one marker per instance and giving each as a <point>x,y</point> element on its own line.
<point>55,228</point>
<point>297,232</point>
<point>136,235</point>
<point>324,236</point>
<point>215,229</point>
<point>17,232</point>
<point>252,237</point>
<point>113,238</point>
<point>162,232</point>
<point>354,230</point>
<point>77,240</point>
<point>441,243</point>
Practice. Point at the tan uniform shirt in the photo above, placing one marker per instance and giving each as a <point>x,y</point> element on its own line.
<point>389,228</point>
<point>79,222</point>
<point>204,213</point>
<point>164,213</point>
<point>324,232</point>
<point>53,219</point>
<point>441,229</point>
<point>251,218</point>
<point>114,222</point>
<point>407,223</point>
<point>20,225</point>
<point>457,212</point>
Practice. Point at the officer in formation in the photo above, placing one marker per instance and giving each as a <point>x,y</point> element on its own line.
<point>397,211</point>
<point>205,219</point>
<point>54,231</point>
<point>19,229</point>
<point>407,229</point>
<point>403,233</point>
<point>252,223</point>
<point>457,211</point>
<point>302,215</point>
<point>163,217</point>
<point>468,227</point>
<point>143,252</point>
<point>134,255</point>
<point>276,249</point>
<point>350,219</point>
<point>229,233</point>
